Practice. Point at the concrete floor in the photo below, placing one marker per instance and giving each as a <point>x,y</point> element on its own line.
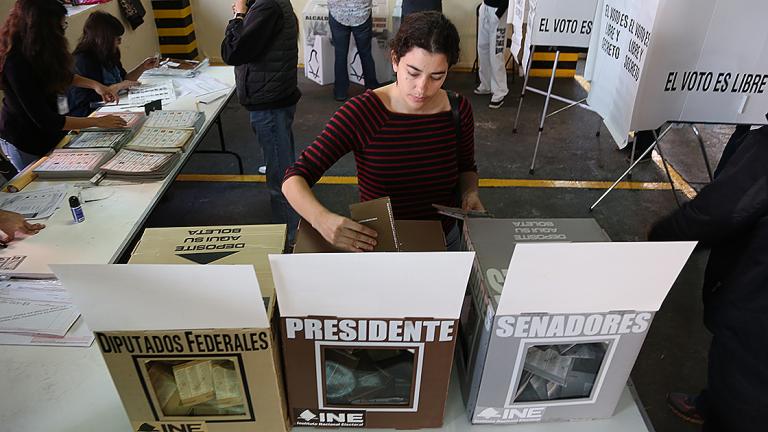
<point>674,355</point>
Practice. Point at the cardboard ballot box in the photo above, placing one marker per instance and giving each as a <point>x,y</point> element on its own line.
<point>189,348</point>
<point>231,244</point>
<point>368,338</point>
<point>555,316</point>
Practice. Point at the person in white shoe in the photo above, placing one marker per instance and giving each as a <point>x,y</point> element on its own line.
<point>491,40</point>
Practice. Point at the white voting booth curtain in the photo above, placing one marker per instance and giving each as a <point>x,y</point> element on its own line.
<point>563,23</point>
<point>698,61</point>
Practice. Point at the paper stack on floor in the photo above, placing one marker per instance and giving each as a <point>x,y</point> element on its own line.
<point>40,312</point>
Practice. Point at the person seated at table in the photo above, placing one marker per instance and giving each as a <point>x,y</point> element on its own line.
<point>35,72</point>
<point>97,56</point>
<point>12,223</point>
<point>407,141</point>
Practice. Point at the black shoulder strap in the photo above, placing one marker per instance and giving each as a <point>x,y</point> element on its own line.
<point>453,98</point>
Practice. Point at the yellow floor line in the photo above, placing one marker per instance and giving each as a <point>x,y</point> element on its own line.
<point>486,183</point>
<point>677,179</point>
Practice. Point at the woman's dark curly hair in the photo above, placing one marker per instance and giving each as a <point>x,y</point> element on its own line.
<point>430,31</point>
<point>34,28</point>
<point>99,34</point>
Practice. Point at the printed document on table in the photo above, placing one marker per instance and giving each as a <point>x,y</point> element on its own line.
<point>145,93</point>
<point>79,335</point>
<point>39,204</point>
<point>36,306</point>
<point>200,85</point>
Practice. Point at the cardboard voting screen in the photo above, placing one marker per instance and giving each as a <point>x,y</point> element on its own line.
<point>360,285</point>
<point>591,277</point>
<point>165,297</point>
<point>697,61</point>
<point>565,23</point>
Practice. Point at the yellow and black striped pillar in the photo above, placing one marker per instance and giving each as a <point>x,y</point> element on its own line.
<point>544,58</point>
<point>175,29</point>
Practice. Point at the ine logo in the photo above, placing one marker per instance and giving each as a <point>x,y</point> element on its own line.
<point>307,415</point>
<point>489,413</point>
<point>511,415</point>
<point>331,418</point>
<point>172,427</point>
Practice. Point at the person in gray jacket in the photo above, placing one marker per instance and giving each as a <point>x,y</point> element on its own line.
<point>261,41</point>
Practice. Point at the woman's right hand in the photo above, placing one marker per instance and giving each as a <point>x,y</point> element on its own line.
<point>109,122</point>
<point>345,234</point>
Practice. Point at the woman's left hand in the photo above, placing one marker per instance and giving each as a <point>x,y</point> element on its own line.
<point>150,63</point>
<point>471,201</point>
<point>108,94</point>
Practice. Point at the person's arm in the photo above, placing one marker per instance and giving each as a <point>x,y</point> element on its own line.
<point>342,232</point>
<point>337,139</point>
<point>12,223</point>
<point>148,63</point>
<point>245,40</point>
<point>108,94</point>
<point>107,122</point>
<point>731,204</point>
<point>468,177</point>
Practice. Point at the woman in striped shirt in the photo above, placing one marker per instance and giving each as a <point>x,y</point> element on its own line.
<point>407,143</point>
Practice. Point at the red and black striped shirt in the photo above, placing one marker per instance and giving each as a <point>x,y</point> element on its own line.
<point>415,159</point>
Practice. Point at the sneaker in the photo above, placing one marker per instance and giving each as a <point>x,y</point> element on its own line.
<point>683,405</point>
<point>263,169</point>
<point>480,91</point>
<point>496,104</point>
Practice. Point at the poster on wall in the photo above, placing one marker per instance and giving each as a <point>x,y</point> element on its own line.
<point>698,61</point>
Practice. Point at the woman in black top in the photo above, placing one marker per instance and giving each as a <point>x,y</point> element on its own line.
<point>35,71</point>
<point>97,56</point>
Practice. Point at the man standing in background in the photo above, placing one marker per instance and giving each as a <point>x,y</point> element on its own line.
<point>261,41</point>
<point>345,17</point>
<point>491,39</point>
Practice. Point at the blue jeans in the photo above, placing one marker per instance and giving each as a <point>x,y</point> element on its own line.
<point>273,130</point>
<point>340,36</point>
<point>18,158</point>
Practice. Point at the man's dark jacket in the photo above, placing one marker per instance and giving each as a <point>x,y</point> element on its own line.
<point>263,47</point>
<point>731,216</point>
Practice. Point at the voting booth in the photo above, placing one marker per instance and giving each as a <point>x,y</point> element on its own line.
<point>182,354</point>
<point>558,23</point>
<point>555,316</point>
<point>319,51</point>
<point>697,61</point>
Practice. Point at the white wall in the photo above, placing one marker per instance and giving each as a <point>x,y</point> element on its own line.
<point>137,45</point>
<point>211,17</point>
